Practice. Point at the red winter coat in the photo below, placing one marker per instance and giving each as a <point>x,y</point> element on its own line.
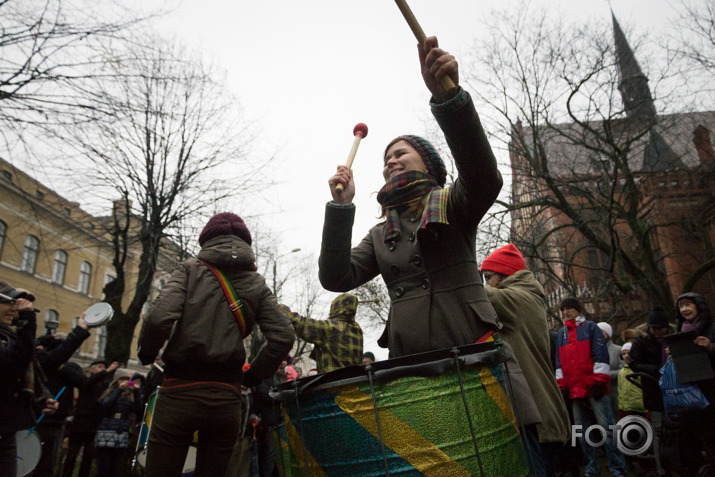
<point>582,358</point>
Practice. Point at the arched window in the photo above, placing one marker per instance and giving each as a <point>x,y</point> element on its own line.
<point>29,254</point>
<point>59,267</point>
<point>85,273</point>
<point>3,232</point>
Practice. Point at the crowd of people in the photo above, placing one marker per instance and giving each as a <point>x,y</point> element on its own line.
<point>211,400</point>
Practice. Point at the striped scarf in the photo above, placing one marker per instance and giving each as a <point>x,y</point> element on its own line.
<point>412,189</point>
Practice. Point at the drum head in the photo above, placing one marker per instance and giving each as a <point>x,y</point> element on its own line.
<point>98,314</point>
<point>29,450</point>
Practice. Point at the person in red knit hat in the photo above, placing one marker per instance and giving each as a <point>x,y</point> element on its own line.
<point>520,304</point>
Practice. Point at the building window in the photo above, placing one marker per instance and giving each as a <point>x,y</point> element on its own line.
<point>39,194</point>
<point>29,254</point>
<point>85,273</point>
<point>59,267</point>
<point>52,320</point>
<point>101,341</point>
<point>7,175</point>
<point>3,231</point>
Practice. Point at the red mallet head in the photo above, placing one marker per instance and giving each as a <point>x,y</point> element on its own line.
<point>360,130</point>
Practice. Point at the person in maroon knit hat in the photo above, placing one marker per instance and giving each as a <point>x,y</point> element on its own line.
<point>520,303</point>
<point>204,356</point>
<point>225,223</point>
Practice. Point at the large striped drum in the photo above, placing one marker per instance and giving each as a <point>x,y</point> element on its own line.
<point>442,413</point>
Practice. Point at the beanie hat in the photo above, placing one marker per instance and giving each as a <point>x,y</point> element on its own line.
<point>98,361</point>
<point>570,302</point>
<point>369,355</point>
<point>606,327</point>
<point>225,223</point>
<point>657,318</point>
<point>626,346</point>
<point>433,163</point>
<point>505,260</point>
<point>344,305</point>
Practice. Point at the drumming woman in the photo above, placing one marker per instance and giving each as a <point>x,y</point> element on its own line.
<point>425,248</point>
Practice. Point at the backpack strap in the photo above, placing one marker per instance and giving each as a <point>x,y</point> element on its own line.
<point>234,303</point>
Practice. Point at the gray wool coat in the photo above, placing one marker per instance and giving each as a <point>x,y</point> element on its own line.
<point>436,291</point>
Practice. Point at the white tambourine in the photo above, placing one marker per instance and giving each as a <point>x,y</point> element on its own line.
<point>98,314</point>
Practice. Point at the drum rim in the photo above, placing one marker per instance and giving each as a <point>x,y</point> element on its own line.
<point>431,363</point>
<point>100,307</point>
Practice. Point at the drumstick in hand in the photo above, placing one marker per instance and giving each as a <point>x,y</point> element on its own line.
<point>43,414</point>
<point>446,81</point>
<point>360,131</point>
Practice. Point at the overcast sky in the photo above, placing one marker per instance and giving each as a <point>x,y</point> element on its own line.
<point>306,72</point>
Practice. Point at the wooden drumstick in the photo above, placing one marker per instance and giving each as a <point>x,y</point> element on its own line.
<point>446,81</point>
<point>360,131</point>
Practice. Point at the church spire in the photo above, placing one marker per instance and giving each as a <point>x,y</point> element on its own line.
<point>633,84</point>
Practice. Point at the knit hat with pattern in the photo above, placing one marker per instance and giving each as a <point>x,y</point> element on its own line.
<point>433,163</point>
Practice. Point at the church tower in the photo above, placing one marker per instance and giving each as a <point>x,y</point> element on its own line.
<point>633,84</point>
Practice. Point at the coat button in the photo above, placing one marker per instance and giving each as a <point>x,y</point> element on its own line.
<point>425,283</point>
<point>412,237</point>
<point>417,260</point>
<point>399,291</point>
<point>391,246</point>
<point>395,269</point>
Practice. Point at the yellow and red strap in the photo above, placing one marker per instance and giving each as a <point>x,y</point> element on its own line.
<point>235,303</point>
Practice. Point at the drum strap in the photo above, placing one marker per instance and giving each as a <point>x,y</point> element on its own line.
<point>234,303</point>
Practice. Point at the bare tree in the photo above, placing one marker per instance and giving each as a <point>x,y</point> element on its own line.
<point>46,46</point>
<point>586,163</point>
<point>160,133</point>
<point>695,30</point>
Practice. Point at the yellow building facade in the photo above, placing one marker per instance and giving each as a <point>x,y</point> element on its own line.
<point>62,254</point>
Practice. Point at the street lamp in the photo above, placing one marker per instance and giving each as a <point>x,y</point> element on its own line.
<point>275,269</point>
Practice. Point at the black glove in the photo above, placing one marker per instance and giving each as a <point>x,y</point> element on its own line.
<point>598,391</point>
<point>250,379</point>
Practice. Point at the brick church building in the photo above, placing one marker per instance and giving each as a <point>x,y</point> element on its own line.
<point>641,187</point>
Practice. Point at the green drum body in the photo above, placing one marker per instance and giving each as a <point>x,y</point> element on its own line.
<point>443,413</point>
